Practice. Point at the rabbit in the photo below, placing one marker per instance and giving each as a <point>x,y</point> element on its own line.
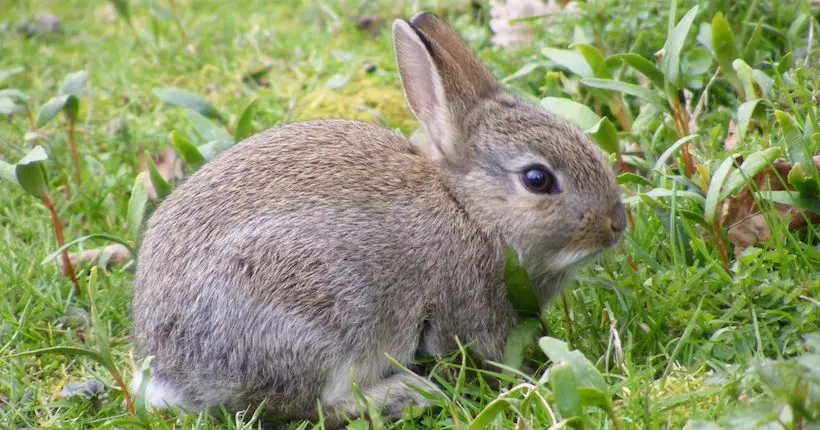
<point>313,257</point>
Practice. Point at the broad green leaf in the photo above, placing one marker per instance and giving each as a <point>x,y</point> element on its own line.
<point>642,65</point>
<point>804,181</point>
<point>519,285</point>
<point>187,150</point>
<point>744,74</point>
<point>13,94</point>
<point>484,418</point>
<point>74,84</point>
<point>189,101</point>
<point>647,120</point>
<point>525,70</point>
<point>8,107</point>
<point>593,397</point>
<point>31,173</point>
<point>811,204</point>
<point>764,82</point>
<point>792,136</point>
<point>672,53</point>
<point>51,108</point>
<point>594,59</point>
<point>744,117</point>
<point>209,131</point>
<point>725,48</point>
<point>210,150</point>
<point>243,126</point>
<point>585,372</point>
<point>564,386</point>
<point>715,185</point>
<point>704,36</point>
<point>752,165</point>
<point>572,111</point>
<point>631,89</point>
<point>137,206</point>
<point>578,35</point>
<point>524,334</point>
<point>605,135</point>
<point>161,186</point>
<point>72,107</point>
<point>696,63</point>
<point>661,162</point>
<point>570,60</point>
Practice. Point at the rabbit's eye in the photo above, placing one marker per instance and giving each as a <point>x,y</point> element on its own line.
<point>539,179</point>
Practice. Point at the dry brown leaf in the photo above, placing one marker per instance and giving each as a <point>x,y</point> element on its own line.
<point>740,215</point>
<point>168,167</point>
<point>116,255</point>
<point>731,141</point>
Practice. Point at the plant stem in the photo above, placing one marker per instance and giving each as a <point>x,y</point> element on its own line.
<point>125,394</point>
<point>610,412</point>
<point>178,23</point>
<point>620,160</point>
<point>620,114</point>
<point>681,122</point>
<point>31,122</point>
<point>72,146</point>
<point>68,269</point>
<point>567,320</point>
<point>724,254</point>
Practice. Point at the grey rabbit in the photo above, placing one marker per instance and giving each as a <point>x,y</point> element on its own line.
<point>302,260</point>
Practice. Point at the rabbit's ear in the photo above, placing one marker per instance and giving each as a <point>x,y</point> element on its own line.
<point>442,80</point>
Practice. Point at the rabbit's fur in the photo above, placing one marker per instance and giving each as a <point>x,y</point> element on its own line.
<point>296,262</point>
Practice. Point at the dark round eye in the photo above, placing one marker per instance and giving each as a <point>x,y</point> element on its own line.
<point>538,179</point>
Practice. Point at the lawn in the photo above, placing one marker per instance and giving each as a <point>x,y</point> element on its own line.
<point>706,315</point>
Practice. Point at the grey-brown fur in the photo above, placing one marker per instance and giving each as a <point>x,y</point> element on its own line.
<point>312,248</point>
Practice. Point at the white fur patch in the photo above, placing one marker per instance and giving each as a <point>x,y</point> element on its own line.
<point>567,258</point>
<point>158,394</point>
<point>339,383</point>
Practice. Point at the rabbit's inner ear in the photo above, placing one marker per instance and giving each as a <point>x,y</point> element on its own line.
<point>423,88</point>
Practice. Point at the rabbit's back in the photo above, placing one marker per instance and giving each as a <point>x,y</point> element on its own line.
<point>304,251</point>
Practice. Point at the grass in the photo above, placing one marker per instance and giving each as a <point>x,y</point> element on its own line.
<point>679,337</point>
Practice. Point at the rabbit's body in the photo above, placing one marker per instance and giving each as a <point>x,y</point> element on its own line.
<point>304,259</point>
<point>325,266</point>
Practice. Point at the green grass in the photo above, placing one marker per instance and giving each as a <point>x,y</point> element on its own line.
<point>677,336</point>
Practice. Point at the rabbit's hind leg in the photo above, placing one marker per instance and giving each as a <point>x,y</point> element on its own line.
<point>389,396</point>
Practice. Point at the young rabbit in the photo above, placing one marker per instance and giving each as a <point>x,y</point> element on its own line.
<point>305,258</point>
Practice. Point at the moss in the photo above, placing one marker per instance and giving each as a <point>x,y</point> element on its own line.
<point>363,101</point>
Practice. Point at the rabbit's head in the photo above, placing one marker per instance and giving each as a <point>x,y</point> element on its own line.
<point>515,168</point>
